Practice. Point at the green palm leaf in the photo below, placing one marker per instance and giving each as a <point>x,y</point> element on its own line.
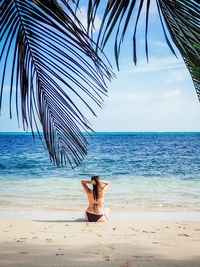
<point>183,22</point>
<point>53,71</point>
<point>179,17</point>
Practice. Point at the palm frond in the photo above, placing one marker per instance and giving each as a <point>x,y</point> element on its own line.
<point>180,18</point>
<point>53,71</point>
<point>183,22</point>
<point>117,16</point>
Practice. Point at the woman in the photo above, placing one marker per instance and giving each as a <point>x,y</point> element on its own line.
<point>95,212</point>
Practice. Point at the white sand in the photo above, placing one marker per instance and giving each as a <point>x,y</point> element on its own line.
<point>115,243</point>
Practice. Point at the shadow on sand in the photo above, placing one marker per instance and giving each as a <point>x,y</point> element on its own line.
<point>61,221</point>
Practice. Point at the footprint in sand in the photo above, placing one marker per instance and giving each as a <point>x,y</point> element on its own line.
<point>106,258</point>
<point>137,257</point>
<point>111,247</point>
<point>134,229</point>
<point>181,227</point>
<point>49,240</point>
<point>184,235</point>
<point>196,229</point>
<point>142,257</point>
<point>34,237</point>
<point>148,232</point>
<point>126,264</point>
<point>20,240</point>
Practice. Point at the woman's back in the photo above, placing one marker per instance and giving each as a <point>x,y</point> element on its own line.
<point>96,211</point>
<point>95,206</point>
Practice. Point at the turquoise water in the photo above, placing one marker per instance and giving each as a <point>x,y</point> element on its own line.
<point>148,172</point>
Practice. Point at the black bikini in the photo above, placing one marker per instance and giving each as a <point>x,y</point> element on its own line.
<point>94,217</point>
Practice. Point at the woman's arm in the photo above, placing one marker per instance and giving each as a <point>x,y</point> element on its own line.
<point>105,182</point>
<point>85,182</point>
<point>104,189</point>
<point>85,187</point>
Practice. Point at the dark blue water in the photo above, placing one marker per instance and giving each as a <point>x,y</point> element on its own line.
<point>110,154</point>
<point>147,172</point>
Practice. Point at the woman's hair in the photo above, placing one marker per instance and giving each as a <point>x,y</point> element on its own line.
<point>96,188</point>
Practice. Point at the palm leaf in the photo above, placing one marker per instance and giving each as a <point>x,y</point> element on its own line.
<point>53,72</point>
<point>183,22</point>
<point>116,18</point>
<point>180,18</point>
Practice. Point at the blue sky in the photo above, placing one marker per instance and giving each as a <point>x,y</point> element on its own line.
<point>158,96</point>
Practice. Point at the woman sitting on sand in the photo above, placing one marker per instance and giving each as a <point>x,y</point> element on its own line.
<point>95,212</point>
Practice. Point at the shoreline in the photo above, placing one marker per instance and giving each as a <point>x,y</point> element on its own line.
<point>135,215</point>
<point>120,243</point>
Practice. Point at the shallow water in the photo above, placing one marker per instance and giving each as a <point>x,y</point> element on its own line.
<point>148,172</point>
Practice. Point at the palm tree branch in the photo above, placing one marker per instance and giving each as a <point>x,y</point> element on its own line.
<point>180,18</point>
<point>52,62</point>
<point>183,22</point>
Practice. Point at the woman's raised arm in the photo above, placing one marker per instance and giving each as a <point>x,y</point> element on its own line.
<point>104,189</point>
<point>105,182</point>
<point>84,182</point>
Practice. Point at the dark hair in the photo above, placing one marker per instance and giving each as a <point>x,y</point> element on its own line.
<point>96,187</point>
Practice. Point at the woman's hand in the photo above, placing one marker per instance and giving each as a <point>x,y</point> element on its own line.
<point>92,182</point>
<point>88,182</point>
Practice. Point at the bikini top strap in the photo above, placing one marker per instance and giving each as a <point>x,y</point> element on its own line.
<point>95,207</point>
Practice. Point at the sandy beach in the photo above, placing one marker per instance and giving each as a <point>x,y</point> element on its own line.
<point>115,243</point>
<point>154,203</point>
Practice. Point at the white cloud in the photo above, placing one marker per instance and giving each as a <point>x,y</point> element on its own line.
<point>82,16</point>
<point>128,96</point>
<point>172,93</point>
<point>156,64</point>
<point>177,76</point>
<point>153,10</point>
<point>159,43</point>
<point>153,7</point>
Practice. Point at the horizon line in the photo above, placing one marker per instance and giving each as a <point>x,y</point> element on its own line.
<point>122,132</point>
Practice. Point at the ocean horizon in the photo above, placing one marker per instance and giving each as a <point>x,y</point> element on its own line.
<point>107,132</point>
<point>148,171</point>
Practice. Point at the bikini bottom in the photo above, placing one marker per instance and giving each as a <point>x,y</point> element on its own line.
<point>93,217</point>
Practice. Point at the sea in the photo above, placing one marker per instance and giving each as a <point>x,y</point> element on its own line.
<point>152,175</point>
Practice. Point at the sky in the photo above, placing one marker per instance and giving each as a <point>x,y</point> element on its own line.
<point>154,97</point>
